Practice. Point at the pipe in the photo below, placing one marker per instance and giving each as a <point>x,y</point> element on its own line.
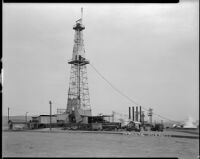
<point>140,114</point>
<point>129,113</point>
<point>136,113</point>
<point>133,113</point>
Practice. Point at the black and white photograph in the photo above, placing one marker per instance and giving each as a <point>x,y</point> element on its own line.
<point>100,80</point>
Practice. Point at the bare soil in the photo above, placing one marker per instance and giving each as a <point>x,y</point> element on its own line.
<point>46,144</point>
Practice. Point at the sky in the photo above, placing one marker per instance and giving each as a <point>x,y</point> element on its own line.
<point>147,51</point>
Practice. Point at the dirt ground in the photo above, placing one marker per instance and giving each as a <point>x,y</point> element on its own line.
<point>45,144</point>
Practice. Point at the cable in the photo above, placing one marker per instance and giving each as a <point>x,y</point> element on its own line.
<point>113,86</point>
<point>128,98</point>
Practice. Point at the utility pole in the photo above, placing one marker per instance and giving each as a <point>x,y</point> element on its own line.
<point>50,114</point>
<point>136,113</point>
<point>81,14</point>
<point>8,113</point>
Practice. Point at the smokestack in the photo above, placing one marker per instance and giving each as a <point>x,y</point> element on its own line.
<point>140,114</point>
<point>133,113</point>
<point>129,113</point>
<point>136,113</point>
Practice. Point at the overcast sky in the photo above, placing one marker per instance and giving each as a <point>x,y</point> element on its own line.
<point>148,51</point>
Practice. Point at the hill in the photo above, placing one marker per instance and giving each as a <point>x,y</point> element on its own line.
<point>5,119</point>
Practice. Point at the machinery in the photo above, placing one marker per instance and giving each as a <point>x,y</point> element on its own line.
<point>133,126</point>
<point>157,127</point>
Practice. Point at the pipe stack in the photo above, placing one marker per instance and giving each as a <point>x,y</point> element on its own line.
<point>136,113</point>
<point>129,110</point>
<point>140,114</point>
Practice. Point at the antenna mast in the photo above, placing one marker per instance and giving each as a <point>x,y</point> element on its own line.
<point>82,14</point>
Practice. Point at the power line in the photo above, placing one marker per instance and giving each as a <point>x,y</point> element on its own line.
<point>122,94</point>
<point>113,86</point>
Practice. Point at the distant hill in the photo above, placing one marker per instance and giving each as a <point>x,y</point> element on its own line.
<point>5,119</point>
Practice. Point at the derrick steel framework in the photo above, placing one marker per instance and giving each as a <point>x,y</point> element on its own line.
<point>61,111</point>
<point>78,93</point>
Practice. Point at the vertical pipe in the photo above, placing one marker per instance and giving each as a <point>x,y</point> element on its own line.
<point>133,113</point>
<point>8,114</point>
<point>79,82</point>
<point>151,117</point>
<point>137,113</point>
<point>81,14</point>
<point>140,114</point>
<point>50,114</point>
<point>129,113</point>
<point>26,117</point>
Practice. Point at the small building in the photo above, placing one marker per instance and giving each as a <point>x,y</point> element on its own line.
<point>45,119</point>
<point>34,123</point>
<point>17,125</point>
<point>147,127</point>
<point>42,121</point>
<point>134,125</point>
<point>35,118</point>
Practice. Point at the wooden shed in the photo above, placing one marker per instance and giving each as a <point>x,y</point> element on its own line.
<point>45,119</point>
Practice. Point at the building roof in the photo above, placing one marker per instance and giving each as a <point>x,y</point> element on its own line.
<point>48,115</point>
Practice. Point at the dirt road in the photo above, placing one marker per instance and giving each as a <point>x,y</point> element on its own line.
<point>38,144</point>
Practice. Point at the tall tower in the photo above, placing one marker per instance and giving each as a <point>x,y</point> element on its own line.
<point>150,113</point>
<point>78,104</point>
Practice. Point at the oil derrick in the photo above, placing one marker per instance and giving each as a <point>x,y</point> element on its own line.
<point>78,104</point>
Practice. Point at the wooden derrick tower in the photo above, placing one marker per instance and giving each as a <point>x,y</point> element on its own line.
<point>78,104</point>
